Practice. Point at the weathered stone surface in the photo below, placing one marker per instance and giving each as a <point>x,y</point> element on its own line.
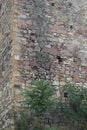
<point>44,39</point>
<point>52,40</point>
<point>6,118</point>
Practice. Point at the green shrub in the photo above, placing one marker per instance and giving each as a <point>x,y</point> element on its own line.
<point>53,128</point>
<point>40,98</point>
<point>74,105</point>
<point>44,128</point>
<point>22,120</point>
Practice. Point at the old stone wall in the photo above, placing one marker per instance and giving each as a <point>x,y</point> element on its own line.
<point>43,39</point>
<point>51,36</point>
<point>5,63</point>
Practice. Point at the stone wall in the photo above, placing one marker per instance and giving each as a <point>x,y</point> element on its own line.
<point>47,40</point>
<point>5,63</point>
<point>51,36</point>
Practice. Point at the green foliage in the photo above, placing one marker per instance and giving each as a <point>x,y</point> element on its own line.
<point>44,128</point>
<point>22,120</point>
<point>75,104</point>
<point>40,98</point>
<point>53,128</point>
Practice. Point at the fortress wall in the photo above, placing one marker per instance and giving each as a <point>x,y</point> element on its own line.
<point>52,36</point>
<point>5,63</point>
<point>44,39</point>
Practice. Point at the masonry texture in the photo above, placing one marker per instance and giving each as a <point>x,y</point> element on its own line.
<point>40,39</point>
<point>5,63</point>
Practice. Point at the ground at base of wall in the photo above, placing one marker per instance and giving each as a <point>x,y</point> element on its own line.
<point>61,127</point>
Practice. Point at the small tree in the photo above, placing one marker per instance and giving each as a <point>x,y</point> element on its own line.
<point>40,98</point>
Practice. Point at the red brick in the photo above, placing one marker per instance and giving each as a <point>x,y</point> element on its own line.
<point>37,49</point>
<point>22,26</point>
<point>76,79</point>
<point>32,63</point>
<point>83,32</point>
<point>54,50</point>
<point>31,44</point>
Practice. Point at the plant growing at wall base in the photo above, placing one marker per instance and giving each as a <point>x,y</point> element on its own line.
<point>22,119</point>
<point>74,106</point>
<point>40,98</point>
<point>46,128</point>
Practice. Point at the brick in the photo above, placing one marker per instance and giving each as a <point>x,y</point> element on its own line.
<point>54,50</point>
<point>76,79</point>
